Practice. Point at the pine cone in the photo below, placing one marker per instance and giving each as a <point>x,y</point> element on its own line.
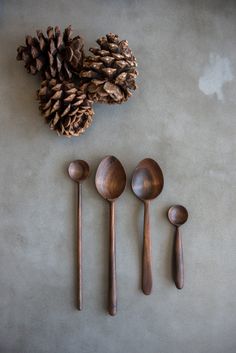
<point>54,56</point>
<point>110,74</point>
<point>65,108</point>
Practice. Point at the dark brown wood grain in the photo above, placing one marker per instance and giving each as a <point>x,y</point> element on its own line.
<point>147,183</point>
<point>178,260</point>
<point>147,268</point>
<point>110,182</point>
<point>79,248</point>
<point>78,171</point>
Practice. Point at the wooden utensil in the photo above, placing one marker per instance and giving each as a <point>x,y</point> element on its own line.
<point>78,171</point>
<point>110,182</point>
<point>147,183</point>
<point>177,216</point>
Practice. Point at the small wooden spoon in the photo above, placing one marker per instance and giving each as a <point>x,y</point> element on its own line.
<point>78,171</point>
<point>147,184</point>
<point>110,182</point>
<point>177,216</point>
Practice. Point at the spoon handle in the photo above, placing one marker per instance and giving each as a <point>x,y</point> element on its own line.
<point>112,295</point>
<point>79,248</point>
<point>147,270</point>
<point>178,260</point>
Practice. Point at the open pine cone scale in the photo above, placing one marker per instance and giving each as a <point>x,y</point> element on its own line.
<point>65,108</point>
<point>110,74</point>
<point>55,55</point>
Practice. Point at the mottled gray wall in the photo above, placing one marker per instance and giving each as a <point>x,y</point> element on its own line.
<point>183,115</point>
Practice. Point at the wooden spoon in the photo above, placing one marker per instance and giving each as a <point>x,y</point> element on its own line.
<point>110,182</point>
<point>78,171</point>
<point>177,216</point>
<point>147,184</point>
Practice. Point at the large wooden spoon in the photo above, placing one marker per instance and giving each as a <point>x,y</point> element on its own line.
<point>177,216</point>
<point>78,171</point>
<point>110,182</point>
<point>147,184</point>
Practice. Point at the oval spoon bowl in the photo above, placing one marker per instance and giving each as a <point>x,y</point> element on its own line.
<point>147,181</point>
<point>110,178</point>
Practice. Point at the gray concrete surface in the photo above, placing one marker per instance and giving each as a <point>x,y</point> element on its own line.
<point>183,115</point>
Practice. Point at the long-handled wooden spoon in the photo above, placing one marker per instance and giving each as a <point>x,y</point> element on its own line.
<point>110,182</point>
<point>78,171</point>
<point>147,184</point>
<point>177,216</point>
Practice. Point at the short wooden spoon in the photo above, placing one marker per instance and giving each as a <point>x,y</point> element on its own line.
<point>78,171</point>
<point>147,184</point>
<point>110,182</point>
<point>177,216</point>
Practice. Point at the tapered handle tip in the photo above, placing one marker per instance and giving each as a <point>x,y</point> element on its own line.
<point>147,284</point>
<point>179,286</point>
<point>147,291</point>
<point>112,311</point>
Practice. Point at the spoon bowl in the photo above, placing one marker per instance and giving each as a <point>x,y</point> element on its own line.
<point>147,181</point>
<point>110,178</point>
<point>177,215</point>
<point>78,170</point>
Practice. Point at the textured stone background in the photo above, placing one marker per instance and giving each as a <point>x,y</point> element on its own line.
<point>183,116</point>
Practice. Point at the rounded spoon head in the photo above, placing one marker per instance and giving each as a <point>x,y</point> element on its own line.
<point>110,178</point>
<point>177,215</point>
<point>78,170</point>
<point>147,181</point>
